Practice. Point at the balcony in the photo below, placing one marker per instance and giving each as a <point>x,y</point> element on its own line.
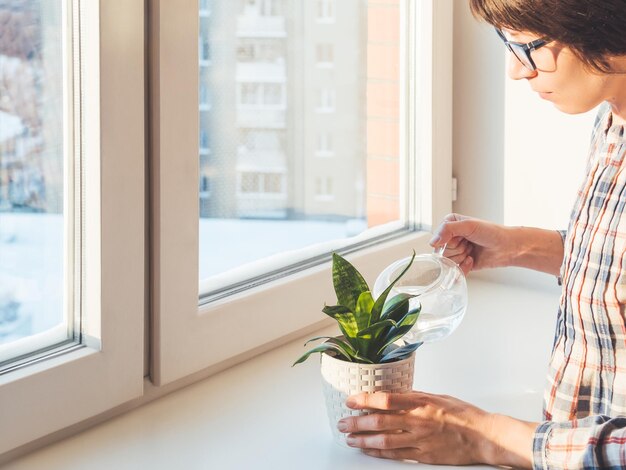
<point>256,26</point>
<point>274,72</point>
<point>262,118</point>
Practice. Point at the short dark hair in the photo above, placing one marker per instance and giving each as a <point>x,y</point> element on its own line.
<point>594,30</point>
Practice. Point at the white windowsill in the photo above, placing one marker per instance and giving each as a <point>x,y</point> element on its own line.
<point>263,414</point>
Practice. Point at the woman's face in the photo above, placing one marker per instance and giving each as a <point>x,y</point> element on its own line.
<point>563,79</point>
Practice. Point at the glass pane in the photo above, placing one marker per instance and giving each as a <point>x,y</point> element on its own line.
<point>299,158</point>
<point>32,175</point>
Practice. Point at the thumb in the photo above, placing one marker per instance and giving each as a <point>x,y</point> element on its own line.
<point>453,229</point>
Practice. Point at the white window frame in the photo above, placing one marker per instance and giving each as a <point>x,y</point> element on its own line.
<point>107,370</point>
<point>188,339</point>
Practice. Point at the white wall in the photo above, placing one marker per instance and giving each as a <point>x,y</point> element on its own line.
<point>478,143</point>
<point>518,159</point>
<point>545,152</point>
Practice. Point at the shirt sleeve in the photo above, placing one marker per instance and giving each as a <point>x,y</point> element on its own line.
<point>562,234</point>
<point>594,442</point>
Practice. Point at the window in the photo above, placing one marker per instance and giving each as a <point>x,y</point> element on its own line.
<point>205,7</point>
<point>220,255</point>
<point>326,101</point>
<point>249,94</point>
<point>326,10</point>
<point>324,55</point>
<point>261,140</point>
<point>272,95</point>
<point>261,184</point>
<point>324,188</point>
<point>324,145</point>
<point>81,59</point>
<point>205,187</point>
<point>205,103</point>
<point>39,227</point>
<point>261,95</point>
<point>261,50</point>
<point>267,218</point>
<point>205,52</point>
<point>264,7</point>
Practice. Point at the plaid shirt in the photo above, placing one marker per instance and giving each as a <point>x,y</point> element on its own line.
<point>585,398</point>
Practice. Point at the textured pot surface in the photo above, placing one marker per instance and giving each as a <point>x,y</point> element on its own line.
<point>342,378</point>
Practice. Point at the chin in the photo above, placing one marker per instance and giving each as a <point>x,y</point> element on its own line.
<point>573,109</point>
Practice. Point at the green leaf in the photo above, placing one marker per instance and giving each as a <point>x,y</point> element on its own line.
<point>396,307</point>
<point>333,310</point>
<point>321,348</point>
<point>363,310</point>
<point>363,360</point>
<point>347,324</point>
<point>400,353</point>
<point>346,347</point>
<point>402,328</point>
<point>374,331</point>
<point>380,301</point>
<point>348,282</point>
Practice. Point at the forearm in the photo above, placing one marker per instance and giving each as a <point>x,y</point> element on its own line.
<point>510,442</point>
<point>535,248</point>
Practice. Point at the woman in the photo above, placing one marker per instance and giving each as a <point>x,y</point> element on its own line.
<point>572,53</point>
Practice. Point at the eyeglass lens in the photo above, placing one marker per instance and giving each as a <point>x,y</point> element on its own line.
<point>521,55</point>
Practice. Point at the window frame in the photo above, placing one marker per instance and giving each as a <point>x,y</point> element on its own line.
<point>186,338</point>
<point>107,370</point>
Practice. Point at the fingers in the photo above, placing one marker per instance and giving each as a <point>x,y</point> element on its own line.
<point>454,229</point>
<point>373,422</point>
<point>381,441</point>
<point>454,217</point>
<point>457,246</point>
<point>467,265</point>
<point>385,401</point>
<point>392,454</point>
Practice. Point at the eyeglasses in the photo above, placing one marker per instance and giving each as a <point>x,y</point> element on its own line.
<point>522,51</point>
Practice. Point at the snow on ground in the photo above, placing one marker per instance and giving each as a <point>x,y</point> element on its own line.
<point>31,259</point>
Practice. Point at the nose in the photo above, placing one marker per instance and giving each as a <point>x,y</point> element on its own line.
<point>518,71</point>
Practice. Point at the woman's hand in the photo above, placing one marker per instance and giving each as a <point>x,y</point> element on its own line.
<point>436,429</point>
<point>475,244</point>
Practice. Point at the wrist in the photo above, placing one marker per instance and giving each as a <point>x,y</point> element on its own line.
<point>487,449</point>
<point>521,247</point>
<point>509,442</point>
<point>535,248</point>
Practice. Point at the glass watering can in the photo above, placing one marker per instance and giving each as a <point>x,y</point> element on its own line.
<point>439,286</point>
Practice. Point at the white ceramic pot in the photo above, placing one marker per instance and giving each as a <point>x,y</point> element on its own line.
<point>343,378</point>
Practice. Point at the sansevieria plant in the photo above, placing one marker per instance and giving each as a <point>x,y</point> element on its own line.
<point>370,326</point>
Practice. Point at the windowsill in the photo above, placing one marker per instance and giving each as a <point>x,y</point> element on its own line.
<point>263,414</point>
